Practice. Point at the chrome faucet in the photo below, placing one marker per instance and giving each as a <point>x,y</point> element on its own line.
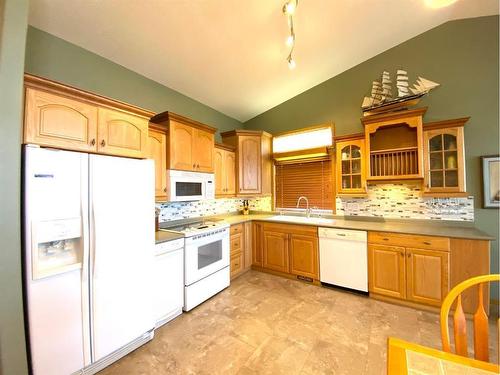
<point>308,211</point>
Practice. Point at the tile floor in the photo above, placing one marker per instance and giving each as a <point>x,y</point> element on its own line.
<point>264,324</point>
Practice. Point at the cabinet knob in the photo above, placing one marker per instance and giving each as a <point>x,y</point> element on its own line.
<point>402,254</point>
<point>165,190</point>
<point>92,142</point>
<point>103,143</point>
<point>409,255</point>
<point>197,166</point>
<point>194,165</point>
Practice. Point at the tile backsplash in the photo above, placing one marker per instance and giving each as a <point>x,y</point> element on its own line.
<point>405,201</point>
<point>184,210</point>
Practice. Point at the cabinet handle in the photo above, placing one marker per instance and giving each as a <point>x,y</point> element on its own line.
<point>92,142</point>
<point>427,243</point>
<point>103,143</point>
<point>385,239</point>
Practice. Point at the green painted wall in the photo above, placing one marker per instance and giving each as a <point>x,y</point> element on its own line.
<point>13,25</point>
<point>461,55</point>
<point>54,58</point>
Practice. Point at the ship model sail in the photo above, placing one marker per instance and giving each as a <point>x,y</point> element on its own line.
<point>381,97</point>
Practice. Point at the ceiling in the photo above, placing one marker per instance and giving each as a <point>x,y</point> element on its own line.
<point>230,54</point>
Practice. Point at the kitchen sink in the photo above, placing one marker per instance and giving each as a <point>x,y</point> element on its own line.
<point>302,219</point>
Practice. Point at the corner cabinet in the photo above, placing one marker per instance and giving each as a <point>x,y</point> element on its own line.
<point>64,117</point>
<point>190,143</point>
<point>253,161</point>
<point>444,159</point>
<point>224,169</point>
<point>350,165</point>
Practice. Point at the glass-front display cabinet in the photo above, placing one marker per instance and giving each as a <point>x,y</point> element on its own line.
<point>350,166</point>
<point>444,160</point>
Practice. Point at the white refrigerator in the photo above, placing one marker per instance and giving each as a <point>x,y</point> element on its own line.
<point>89,251</point>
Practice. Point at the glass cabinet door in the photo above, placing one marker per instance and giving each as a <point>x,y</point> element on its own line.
<point>350,167</point>
<point>444,164</point>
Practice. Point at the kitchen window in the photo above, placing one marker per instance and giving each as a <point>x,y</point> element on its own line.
<point>310,178</point>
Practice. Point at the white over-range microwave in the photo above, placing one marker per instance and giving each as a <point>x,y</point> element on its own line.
<point>190,186</point>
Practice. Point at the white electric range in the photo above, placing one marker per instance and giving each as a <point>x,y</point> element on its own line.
<point>206,260</point>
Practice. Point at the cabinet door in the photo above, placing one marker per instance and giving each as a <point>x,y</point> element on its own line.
<point>56,121</point>
<point>444,160</point>
<point>121,134</point>
<point>427,274</point>
<point>203,151</point>
<point>351,170</point>
<point>386,270</point>
<point>275,251</point>
<point>248,244</point>
<point>230,169</point>
<point>249,164</point>
<point>304,256</point>
<point>157,150</point>
<point>181,147</point>
<point>220,171</point>
<point>257,244</point>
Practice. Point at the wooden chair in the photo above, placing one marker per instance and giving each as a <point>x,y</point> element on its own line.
<point>481,351</point>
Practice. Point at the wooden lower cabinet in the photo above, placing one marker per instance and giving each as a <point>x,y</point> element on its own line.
<point>240,248</point>
<point>257,244</point>
<point>386,270</point>
<point>412,274</point>
<point>286,248</point>
<point>275,250</point>
<point>427,275</point>
<point>304,255</point>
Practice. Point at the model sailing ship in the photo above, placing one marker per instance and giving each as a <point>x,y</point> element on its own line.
<point>381,98</point>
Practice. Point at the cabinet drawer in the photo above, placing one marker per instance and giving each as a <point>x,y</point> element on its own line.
<point>236,243</point>
<point>409,240</point>
<point>235,229</point>
<point>236,265</point>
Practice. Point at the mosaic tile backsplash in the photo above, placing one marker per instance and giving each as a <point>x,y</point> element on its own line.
<point>185,210</point>
<point>404,201</point>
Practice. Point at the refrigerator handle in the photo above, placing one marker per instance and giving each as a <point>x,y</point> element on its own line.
<point>94,244</point>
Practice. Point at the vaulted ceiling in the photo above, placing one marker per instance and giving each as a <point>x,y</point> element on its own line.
<point>230,54</point>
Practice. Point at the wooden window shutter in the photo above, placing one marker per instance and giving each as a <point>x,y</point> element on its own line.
<point>312,179</point>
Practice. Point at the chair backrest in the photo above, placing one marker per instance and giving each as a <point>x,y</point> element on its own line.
<point>481,351</point>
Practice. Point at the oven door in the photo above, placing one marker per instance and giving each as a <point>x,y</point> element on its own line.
<point>187,189</point>
<point>205,255</point>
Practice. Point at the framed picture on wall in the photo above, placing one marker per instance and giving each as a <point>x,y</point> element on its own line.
<point>491,181</point>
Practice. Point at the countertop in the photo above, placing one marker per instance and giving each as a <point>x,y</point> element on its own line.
<point>423,227</point>
<point>161,236</point>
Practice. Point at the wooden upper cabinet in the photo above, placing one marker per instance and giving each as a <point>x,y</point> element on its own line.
<point>351,166</point>
<point>181,144</point>
<point>304,255</point>
<point>219,170</point>
<point>224,169</point>
<point>249,165</point>
<point>203,151</point>
<point>394,144</point>
<point>444,160</point>
<point>190,143</point>
<point>157,150</point>
<point>275,254</point>
<point>121,134</point>
<point>386,270</point>
<point>427,274</point>
<point>62,116</point>
<point>253,161</point>
<point>57,121</point>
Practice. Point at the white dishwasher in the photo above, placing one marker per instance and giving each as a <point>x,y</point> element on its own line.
<point>343,258</point>
<point>169,280</point>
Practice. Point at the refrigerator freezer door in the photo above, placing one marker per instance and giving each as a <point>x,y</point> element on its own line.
<point>121,252</point>
<point>55,246</point>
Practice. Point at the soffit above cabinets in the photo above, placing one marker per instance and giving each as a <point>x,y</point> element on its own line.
<point>226,54</point>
